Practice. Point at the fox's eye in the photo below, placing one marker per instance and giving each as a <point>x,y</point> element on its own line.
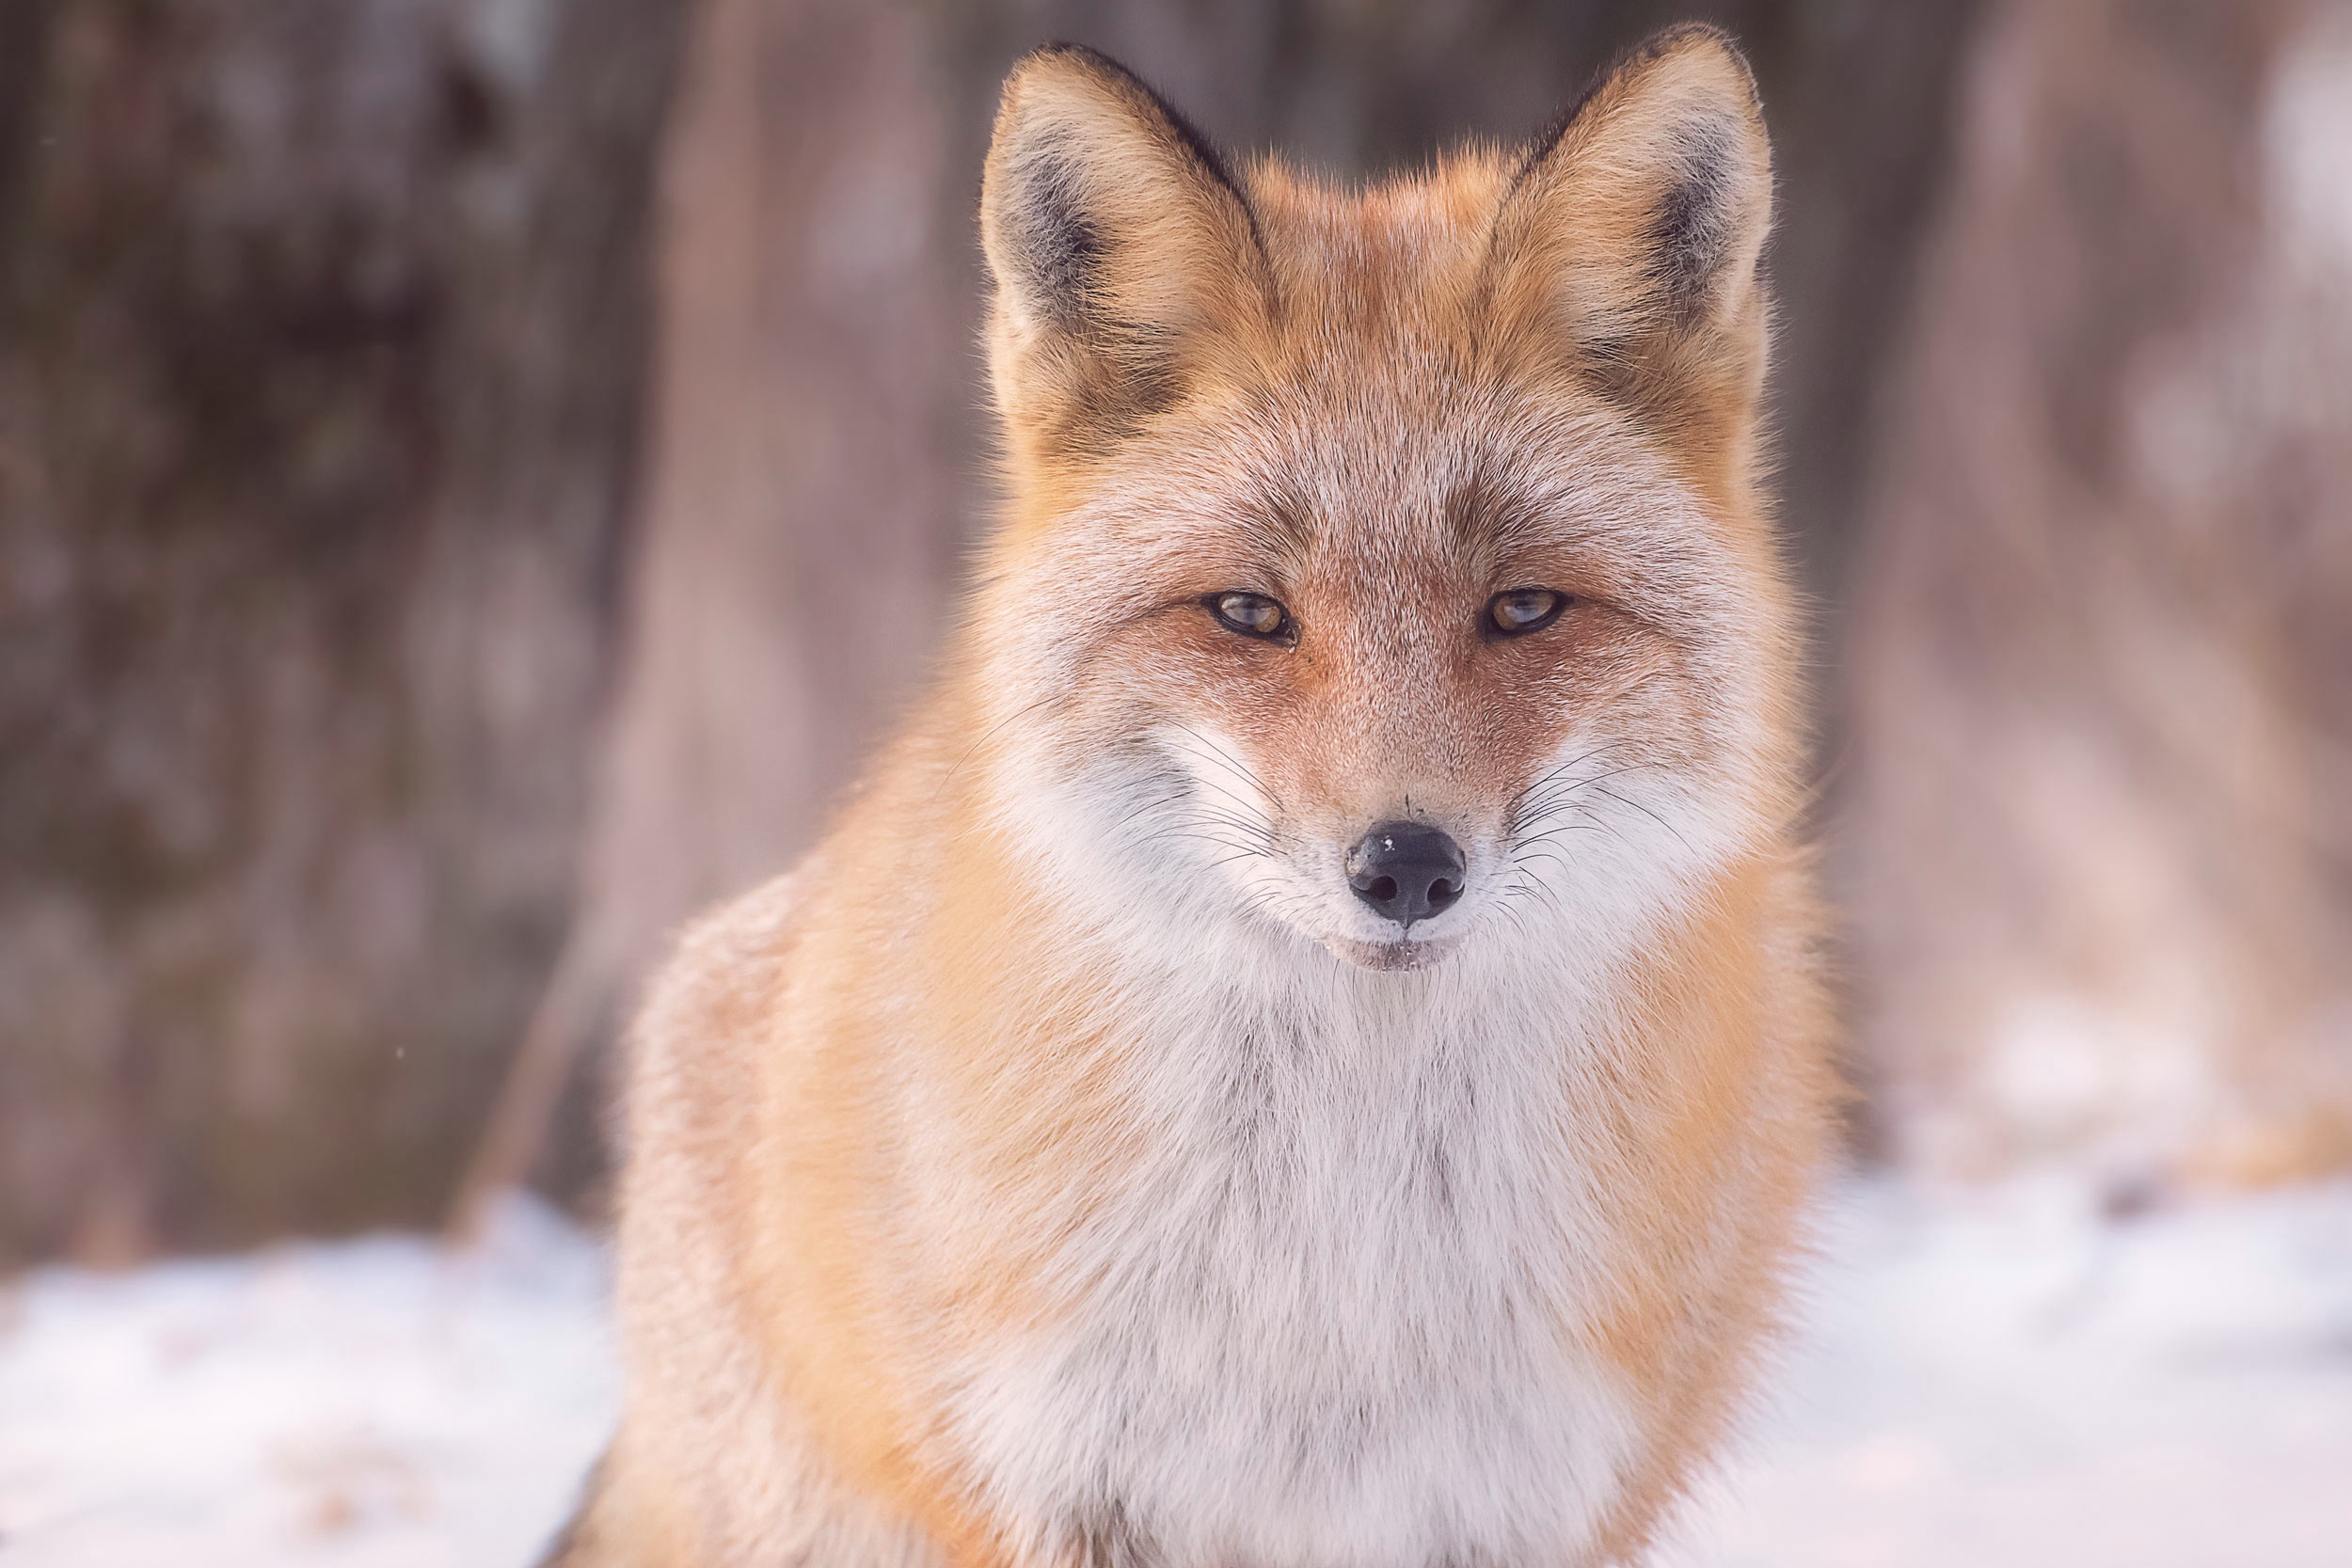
<point>1519,610</point>
<point>1250,614</point>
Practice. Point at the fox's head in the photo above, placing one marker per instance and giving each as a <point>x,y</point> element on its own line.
<point>1383,568</point>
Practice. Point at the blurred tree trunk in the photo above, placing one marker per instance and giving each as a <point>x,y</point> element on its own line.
<point>804,490</point>
<point>820,442</point>
<point>320,327</point>
<point>2101,856</point>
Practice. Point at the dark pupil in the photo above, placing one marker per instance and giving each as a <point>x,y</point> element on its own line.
<point>1520,608</point>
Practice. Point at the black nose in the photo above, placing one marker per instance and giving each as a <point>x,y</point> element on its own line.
<point>1406,871</point>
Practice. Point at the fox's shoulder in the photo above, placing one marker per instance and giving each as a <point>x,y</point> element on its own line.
<point>717,988</point>
<point>729,955</point>
<point>750,969</point>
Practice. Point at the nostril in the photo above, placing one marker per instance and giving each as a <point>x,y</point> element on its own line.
<point>1406,871</point>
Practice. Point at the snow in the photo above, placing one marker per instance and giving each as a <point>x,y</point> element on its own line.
<point>1997,1376</point>
<point>2010,1376</point>
<point>357,1403</point>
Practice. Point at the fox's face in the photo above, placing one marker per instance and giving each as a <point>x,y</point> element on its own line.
<point>1383,568</point>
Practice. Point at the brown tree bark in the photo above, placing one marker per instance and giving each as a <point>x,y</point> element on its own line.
<point>319,336</point>
<point>804,487</point>
<point>2101,856</point>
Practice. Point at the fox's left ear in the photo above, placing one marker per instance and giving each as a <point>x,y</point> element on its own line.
<point>1127,259</point>
<point>1630,239</point>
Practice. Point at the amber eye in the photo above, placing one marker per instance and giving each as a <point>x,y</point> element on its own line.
<point>1519,610</point>
<point>1250,614</point>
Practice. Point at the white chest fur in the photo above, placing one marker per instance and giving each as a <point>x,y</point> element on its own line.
<point>1332,1321</point>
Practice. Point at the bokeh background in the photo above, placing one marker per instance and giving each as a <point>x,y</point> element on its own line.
<point>477,475</point>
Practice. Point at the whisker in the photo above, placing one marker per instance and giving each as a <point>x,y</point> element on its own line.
<point>1558,768</point>
<point>990,734</point>
<point>1651,814</point>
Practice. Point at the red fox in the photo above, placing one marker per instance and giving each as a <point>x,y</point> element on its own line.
<point>1307,1048</point>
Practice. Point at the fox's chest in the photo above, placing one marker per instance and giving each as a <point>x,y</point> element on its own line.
<point>1325,1328</point>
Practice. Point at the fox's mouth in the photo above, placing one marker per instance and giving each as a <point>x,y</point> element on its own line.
<point>1395,955</point>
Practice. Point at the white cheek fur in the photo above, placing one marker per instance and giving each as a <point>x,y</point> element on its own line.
<point>1181,848</point>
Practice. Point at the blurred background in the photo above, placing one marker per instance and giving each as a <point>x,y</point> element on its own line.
<point>477,475</point>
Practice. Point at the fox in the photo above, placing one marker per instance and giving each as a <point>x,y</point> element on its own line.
<point>1309,1046</point>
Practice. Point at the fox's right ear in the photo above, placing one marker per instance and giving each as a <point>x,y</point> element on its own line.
<point>1629,241</point>
<point>1126,259</point>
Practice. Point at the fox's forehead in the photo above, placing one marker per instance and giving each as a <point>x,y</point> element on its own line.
<point>1370,418</point>
<point>1393,265</point>
<point>1408,446</point>
<point>1409,469</point>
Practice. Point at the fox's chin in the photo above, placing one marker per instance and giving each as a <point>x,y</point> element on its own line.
<point>1393,955</point>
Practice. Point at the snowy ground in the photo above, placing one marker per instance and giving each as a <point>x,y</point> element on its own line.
<point>365,1405</point>
<point>1999,1378</point>
<point>2005,1379</point>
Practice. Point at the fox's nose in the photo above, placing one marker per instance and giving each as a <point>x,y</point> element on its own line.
<point>1405,870</point>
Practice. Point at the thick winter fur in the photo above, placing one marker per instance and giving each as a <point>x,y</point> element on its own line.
<point>1063,1167</point>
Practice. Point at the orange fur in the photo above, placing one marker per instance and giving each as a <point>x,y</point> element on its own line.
<point>1015,1109</point>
